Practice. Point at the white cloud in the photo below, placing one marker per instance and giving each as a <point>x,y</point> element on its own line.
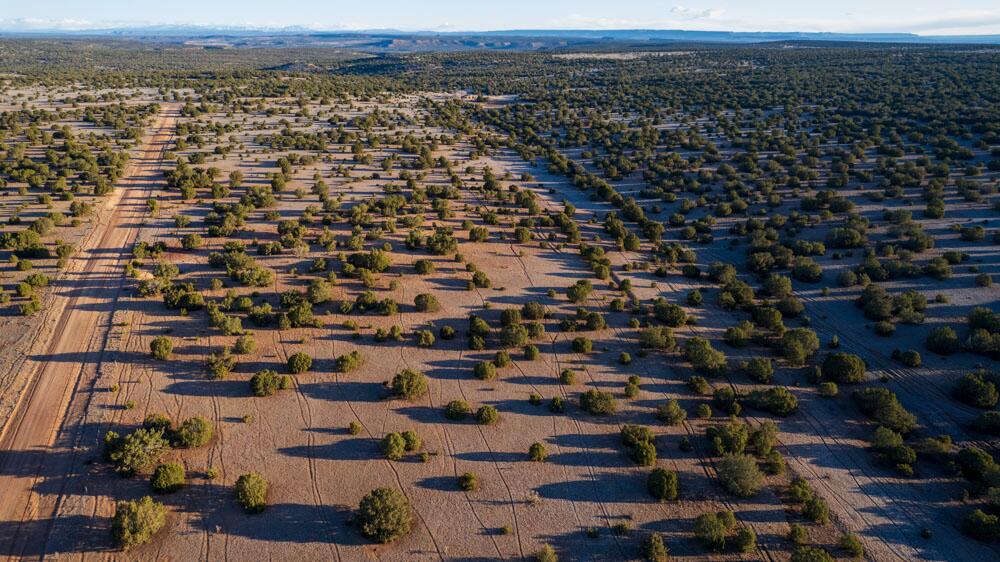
<point>696,13</point>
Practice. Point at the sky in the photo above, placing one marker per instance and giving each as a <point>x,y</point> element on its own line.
<point>925,17</point>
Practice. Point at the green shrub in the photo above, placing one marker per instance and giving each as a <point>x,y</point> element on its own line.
<point>712,529</point>
<point>800,490</point>
<point>194,432</point>
<point>745,540</point>
<point>161,347</point>
<point>426,302</point>
<point>409,384</point>
<point>798,345</point>
<point>136,451</point>
<point>582,344</point>
<point>244,345</point>
<point>469,482</point>
<point>643,453</point>
<point>881,404</point>
<point>671,412</point>
<point>598,403</point>
<point>485,370</point>
<point>816,511</point>
<point>580,291</point>
<point>828,389</point>
<point>412,441</point>
<point>977,389</point>
<point>657,337</point>
<point>168,477</point>
<point>760,369</point>
<point>703,357</point>
<point>136,521</point>
<point>843,368</point>
<point>457,410</point>
<point>662,484</point>
<point>513,335</point>
<point>797,534</point>
<point>982,526</point>
<point>851,544</point>
<point>251,492</point>
<point>810,554</point>
<point>654,549</point>
<point>778,401</point>
<point>537,452</point>
<point>942,340</point>
<point>221,363</point>
<point>299,363</point>
<point>384,515</point>
<point>739,475</point>
<point>502,359</point>
<point>393,446</point>
<point>487,415</point>
<point>910,358</point>
<point>268,382</point>
<point>349,361</point>
<point>567,377</point>
<point>546,554</point>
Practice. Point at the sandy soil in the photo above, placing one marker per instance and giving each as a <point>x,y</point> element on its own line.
<point>318,471</point>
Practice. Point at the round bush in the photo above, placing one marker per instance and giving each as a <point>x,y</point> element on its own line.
<point>161,347</point>
<point>426,302</point>
<point>582,345</point>
<point>671,412</point>
<point>487,415</point>
<point>884,328</point>
<point>469,482</point>
<point>643,453</point>
<point>844,368</point>
<point>457,410</point>
<point>662,484</point>
<point>244,345</point>
<point>409,384</point>
<point>828,389</point>
<point>384,515</point>
<point>168,477</point>
<point>485,370</point>
<point>299,363</point>
<point>513,335</point>
<point>393,446</point>
<point>910,358</point>
<point>739,475</point>
<point>251,492</point>
<point>194,432</point>
<point>136,521</point>
<point>537,452</point>
<point>942,340</point>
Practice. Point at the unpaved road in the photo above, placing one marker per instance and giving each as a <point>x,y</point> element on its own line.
<point>67,356</point>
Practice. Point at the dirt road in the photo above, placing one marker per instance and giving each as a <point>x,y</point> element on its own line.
<point>66,357</point>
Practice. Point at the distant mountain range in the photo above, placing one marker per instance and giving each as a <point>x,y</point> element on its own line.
<point>389,40</point>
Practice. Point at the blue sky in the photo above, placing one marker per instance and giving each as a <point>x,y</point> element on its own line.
<point>918,16</point>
